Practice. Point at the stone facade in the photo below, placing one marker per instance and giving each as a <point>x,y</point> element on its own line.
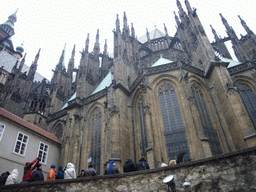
<point>157,98</point>
<point>231,172</point>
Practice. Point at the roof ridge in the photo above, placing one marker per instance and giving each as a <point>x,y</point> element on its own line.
<point>28,125</point>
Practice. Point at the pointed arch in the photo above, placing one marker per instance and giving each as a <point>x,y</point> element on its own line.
<point>248,97</point>
<point>58,129</point>
<point>95,133</point>
<point>209,131</point>
<point>174,131</point>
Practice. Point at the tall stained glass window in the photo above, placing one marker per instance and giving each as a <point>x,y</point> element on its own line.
<point>96,140</point>
<point>174,132</point>
<point>209,131</point>
<point>143,131</point>
<point>249,100</point>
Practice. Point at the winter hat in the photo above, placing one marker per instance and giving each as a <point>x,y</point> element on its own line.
<point>39,165</point>
<point>53,166</point>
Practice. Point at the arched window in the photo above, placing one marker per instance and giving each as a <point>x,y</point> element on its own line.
<point>249,100</point>
<point>96,122</point>
<point>209,131</point>
<point>174,132</point>
<point>144,143</point>
<point>42,105</point>
<point>58,131</point>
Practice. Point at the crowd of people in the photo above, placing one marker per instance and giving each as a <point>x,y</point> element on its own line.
<point>33,171</point>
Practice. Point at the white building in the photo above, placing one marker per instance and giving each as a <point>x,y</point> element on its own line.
<point>22,142</point>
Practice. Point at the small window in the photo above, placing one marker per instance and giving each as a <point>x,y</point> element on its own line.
<point>43,152</point>
<point>2,128</point>
<point>21,144</point>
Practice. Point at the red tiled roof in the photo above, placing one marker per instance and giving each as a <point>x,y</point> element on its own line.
<point>28,125</point>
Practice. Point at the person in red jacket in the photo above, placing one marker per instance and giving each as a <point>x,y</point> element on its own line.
<point>29,167</point>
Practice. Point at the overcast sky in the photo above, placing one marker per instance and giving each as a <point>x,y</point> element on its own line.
<point>49,24</point>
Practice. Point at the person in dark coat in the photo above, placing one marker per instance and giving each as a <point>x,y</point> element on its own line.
<point>3,177</point>
<point>142,164</point>
<point>111,169</point>
<point>37,174</point>
<point>129,166</point>
<point>81,174</point>
<point>60,173</point>
<point>90,171</point>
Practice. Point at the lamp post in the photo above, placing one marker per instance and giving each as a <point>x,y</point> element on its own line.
<point>169,180</point>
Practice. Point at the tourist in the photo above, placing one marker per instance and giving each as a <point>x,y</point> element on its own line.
<point>3,177</point>
<point>90,171</point>
<point>81,173</point>
<point>70,172</point>
<point>142,164</point>
<point>60,173</point>
<point>111,169</point>
<point>37,174</point>
<point>51,173</point>
<point>164,165</point>
<point>129,166</point>
<point>29,167</point>
<point>172,162</point>
<point>12,178</point>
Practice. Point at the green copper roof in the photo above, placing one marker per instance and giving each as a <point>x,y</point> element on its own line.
<point>153,35</point>
<point>71,98</point>
<point>106,82</point>
<point>232,63</point>
<point>161,61</point>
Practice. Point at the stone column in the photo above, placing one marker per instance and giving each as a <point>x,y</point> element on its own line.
<point>149,150</point>
<point>115,132</point>
<point>246,131</point>
<point>66,151</point>
<point>201,135</point>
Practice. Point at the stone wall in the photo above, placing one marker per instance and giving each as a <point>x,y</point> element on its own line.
<point>230,172</point>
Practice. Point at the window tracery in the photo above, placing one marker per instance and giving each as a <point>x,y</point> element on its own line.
<point>249,100</point>
<point>174,132</point>
<point>209,131</point>
<point>96,123</point>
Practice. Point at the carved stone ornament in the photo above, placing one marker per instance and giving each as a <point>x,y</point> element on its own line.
<point>230,88</point>
<point>191,100</point>
<point>202,136</point>
<point>113,110</point>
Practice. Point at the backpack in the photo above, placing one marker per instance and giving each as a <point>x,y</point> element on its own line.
<point>141,165</point>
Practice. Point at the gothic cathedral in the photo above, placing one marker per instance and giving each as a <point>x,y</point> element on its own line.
<point>158,96</point>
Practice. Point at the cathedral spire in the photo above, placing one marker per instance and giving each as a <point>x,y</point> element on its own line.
<point>96,49</point>
<point>247,29</point>
<point>33,67</point>
<point>71,62</point>
<point>188,6</point>
<point>148,36</point>
<point>97,36</point>
<point>87,43</point>
<point>61,65</point>
<point>215,34</point>
<point>105,47</point>
<point>125,21</point>
<point>181,11</point>
<point>73,52</point>
<point>230,30</point>
<point>133,31</point>
<point>117,23</point>
<point>22,63</point>
<point>176,19</point>
<point>165,29</point>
